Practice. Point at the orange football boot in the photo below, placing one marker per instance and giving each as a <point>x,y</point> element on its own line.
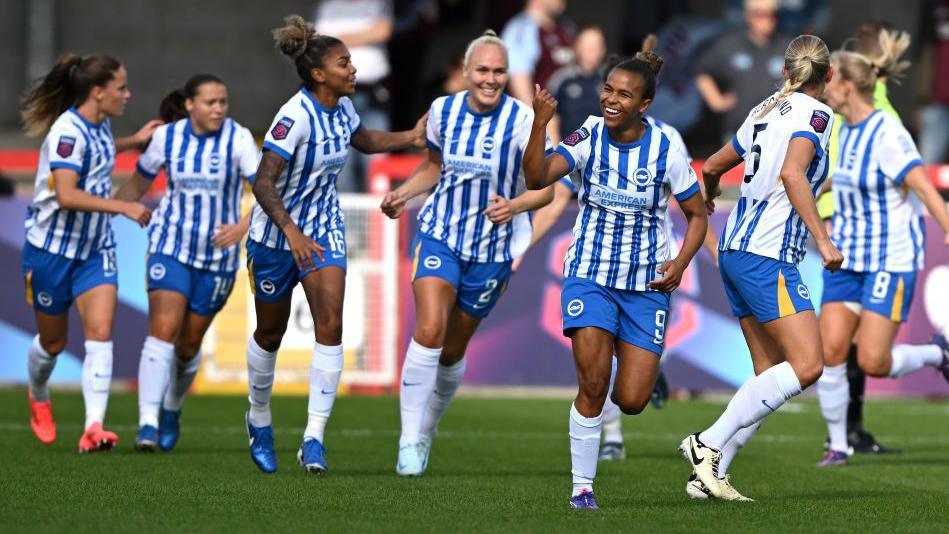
<point>41,421</point>
<point>96,439</point>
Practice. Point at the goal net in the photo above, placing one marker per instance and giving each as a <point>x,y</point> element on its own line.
<point>370,316</point>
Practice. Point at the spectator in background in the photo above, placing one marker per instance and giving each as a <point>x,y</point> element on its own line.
<point>365,27</point>
<point>934,117</point>
<point>577,87</point>
<point>538,44</point>
<point>743,68</point>
<point>794,16</point>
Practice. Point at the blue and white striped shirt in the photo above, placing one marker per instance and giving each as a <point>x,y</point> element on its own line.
<point>481,157</point>
<point>763,221</point>
<point>878,224</point>
<point>89,149</point>
<point>204,190</point>
<point>315,142</point>
<point>620,239</point>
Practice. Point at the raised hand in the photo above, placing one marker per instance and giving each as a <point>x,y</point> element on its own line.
<point>545,105</point>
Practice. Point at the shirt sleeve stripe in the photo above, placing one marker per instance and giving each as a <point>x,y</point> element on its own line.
<point>687,194</point>
<point>812,138</point>
<point>737,146</point>
<point>901,177</point>
<point>279,151</point>
<point>566,155</point>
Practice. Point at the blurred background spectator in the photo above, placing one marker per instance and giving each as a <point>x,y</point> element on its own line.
<point>577,86</point>
<point>743,67</point>
<point>366,27</point>
<point>539,43</point>
<point>933,79</point>
<point>794,16</point>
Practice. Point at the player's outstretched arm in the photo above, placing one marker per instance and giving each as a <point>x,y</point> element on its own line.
<point>71,197</point>
<point>917,180</point>
<point>423,179</point>
<point>139,139</point>
<point>134,189</point>
<point>799,156</point>
<point>502,210</point>
<point>715,166</point>
<point>375,141</point>
<point>541,171</point>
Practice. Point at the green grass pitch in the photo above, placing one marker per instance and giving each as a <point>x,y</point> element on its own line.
<point>498,464</point>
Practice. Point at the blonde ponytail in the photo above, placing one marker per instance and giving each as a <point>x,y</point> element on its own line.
<point>864,68</point>
<point>807,61</point>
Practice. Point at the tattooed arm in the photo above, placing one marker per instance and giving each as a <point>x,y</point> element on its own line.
<point>302,247</point>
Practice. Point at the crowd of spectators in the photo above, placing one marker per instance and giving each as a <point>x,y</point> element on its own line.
<point>717,66</point>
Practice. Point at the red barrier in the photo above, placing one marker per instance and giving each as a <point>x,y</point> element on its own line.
<point>382,170</point>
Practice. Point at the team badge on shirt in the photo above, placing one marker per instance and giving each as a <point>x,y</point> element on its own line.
<point>576,137</point>
<point>282,128</point>
<point>65,147</point>
<point>819,120</point>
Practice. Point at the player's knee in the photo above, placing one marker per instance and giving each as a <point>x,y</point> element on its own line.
<point>594,388</point>
<point>187,350</point>
<point>835,351</point>
<point>269,340</point>
<point>631,405</point>
<point>873,362</point>
<point>99,333</point>
<point>450,356</point>
<point>429,334</point>
<point>55,346</point>
<point>329,331</point>
<point>809,372</point>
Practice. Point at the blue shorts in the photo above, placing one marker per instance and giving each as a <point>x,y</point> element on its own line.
<point>764,287</point>
<point>53,281</point>
<point>206,291</point>
<point>273,273</point>
<point>886,293</point>
<point>479,285</point>
<point>635,317</point>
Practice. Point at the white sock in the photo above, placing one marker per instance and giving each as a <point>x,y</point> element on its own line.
<point>584,449</point>
<point>260,371</point>
<point>833,391</point>
<point>96,379</point>
<point>758,398</point>
<point>154,372</point>
<point>612,426</point>
<point>40,364</point>
<point>326,366</point>
<point>731,448</point>
<point>419,374</point>
<point>911,358</point>
<point>446,385</point>
<point>182,376</point>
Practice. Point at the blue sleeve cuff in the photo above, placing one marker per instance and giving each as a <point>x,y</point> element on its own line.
<point>901,177</point>
<point>566,155</point>
<point>567,182</point>
<point>358,128</point>
<point>432,146</point>
<point>250,179</point>
<point>812,138</point>
<point>687,194</point>
<point>279,151</point>
<point>141,170</point>
<point>548,151</point>
<point>737,146</point>
<point>65,165</point>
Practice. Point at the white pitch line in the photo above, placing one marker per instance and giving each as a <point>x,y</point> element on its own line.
<point>480,434</point>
